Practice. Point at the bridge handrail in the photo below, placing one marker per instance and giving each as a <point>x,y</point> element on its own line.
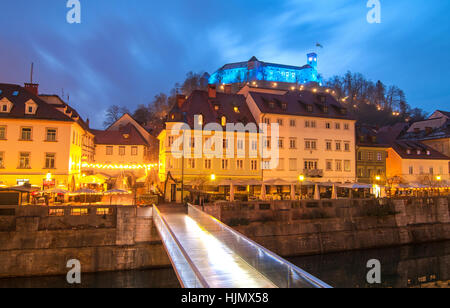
<point>315,281</point>
<point>180,247</point>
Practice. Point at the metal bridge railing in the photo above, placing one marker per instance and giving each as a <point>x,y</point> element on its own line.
<point>280,272</point>
<point>186,271</point>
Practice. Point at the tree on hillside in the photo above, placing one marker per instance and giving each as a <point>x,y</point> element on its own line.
<point>373,103</point>
<point>114,113</point>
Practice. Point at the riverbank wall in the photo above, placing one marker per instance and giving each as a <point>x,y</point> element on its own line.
<point>39,241</point>
<point>297,228</point>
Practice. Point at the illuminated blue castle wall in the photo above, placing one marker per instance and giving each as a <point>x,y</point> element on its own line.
<point>255,70</point>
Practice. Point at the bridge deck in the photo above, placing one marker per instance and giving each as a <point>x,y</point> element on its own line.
<point>219,266</point>
<point>206,253</point>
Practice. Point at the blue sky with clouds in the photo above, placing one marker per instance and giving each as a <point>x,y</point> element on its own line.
<point>125,52</point>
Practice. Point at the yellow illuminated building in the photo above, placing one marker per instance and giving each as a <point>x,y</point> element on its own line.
<point>40,144</point>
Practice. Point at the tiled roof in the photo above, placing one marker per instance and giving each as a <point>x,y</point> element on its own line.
<point>416,150</point>
<point>44,111</point>
<point>300,103</point>
<point>126,135</point>
<point>199,103</point>
<point>366,136</point>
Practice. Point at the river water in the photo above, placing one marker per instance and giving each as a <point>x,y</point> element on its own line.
<point>425,265</point>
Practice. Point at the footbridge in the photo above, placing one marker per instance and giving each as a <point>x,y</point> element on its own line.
<point>205,253</point>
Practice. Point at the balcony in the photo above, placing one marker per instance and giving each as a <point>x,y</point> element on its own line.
<point>313,173</point>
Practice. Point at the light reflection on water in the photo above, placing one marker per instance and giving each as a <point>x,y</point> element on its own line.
<point>426,265</point>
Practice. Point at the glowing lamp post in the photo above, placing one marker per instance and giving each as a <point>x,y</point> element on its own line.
<point>301,178</point>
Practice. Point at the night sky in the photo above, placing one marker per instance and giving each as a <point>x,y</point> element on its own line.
<point>125,52</point>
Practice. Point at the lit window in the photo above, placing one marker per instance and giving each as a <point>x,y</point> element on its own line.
<point>2,159</point>
<point>236,109</point>
<point>134,151</point>
<point>15,93</point>
<point>122,151</point>
<point>200,120</point>
<point>224,121</point>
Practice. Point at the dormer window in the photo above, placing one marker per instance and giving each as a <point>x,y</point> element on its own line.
<point>200,120</point>
<point>343,111</point>
<point>126,136</point>
<point>216,107</point>
<point>5,105</point>
<point>309,108</point>
<point>325,109</point>
<point>284,106</point>
<point>419,152</point>
<point>31,107</point>
<point>224,121</point>
<point>272,105</point>
<point>236,109</point>
<point>15,93</point>
<point>428,152</point>
<point>408,152</point>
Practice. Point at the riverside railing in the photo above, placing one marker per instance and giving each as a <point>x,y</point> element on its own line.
<point>279,271</point>
<point>186,271</point>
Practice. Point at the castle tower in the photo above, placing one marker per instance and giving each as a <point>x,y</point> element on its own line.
<point>312,60</point>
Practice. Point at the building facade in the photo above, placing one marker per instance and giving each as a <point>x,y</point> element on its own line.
<point>39,144</point>
<point>316,136</point>
<point>370,157</point>
<point>207,156</point>
<point>413,162</point>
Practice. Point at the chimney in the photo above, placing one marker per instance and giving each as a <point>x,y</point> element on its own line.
<point>181,99</point>
<point>33,88</point>
<point>212,92</point>
<point>87,122</point>
<point>227,89</point>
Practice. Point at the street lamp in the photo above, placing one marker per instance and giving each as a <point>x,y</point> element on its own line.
<point>213,177</point>
<point>301,178</point>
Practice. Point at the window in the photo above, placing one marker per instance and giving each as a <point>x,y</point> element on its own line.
<point>50,161</point>
<point>338,125</point>
<point>240,144</point>
<point>208,164</point>
<point>224,121</point>
<point>224,164</point>
<point>268,143</point>
<point>347,147</point>
<point>239,164</point>
<point>411,170</point>
<point>431,170</point>
<point>346,126</point>
<point>2,132</point>
<point>360,155</point>
<point>313,124</point>
<point>292,123</point>
<point>338,145</point>
<point>122,151</point>
<point>51,135</point>
<point>379,156</point>
<point>370,156</point>
<point>310,164</point>
<point>310,144</point>
<point>280,122</point>
<point>26,134</point>
<point>266,121</point>
<point>134,151</point>
<point>200,120</point>
<point>225,144</point>
<point>293,164</point>
<point>171,139</point>
<point>328,145</point>
<point>307,124</point>
<point>293,143</point>
<point>2,159</point>
<point>280,143</point>
<point>24,161</point>
<point>4,108</point>
<point>109,150</point>
<point>329,165</point>
<point>360,172</point>
<point>254,145</point>
<point>327,125</point>
<point>254,165</point>
<point>338,165</point>
<point>347,166</point>
<point>191,163</point>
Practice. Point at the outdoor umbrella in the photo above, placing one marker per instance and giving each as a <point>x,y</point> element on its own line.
<point>334,193</point>
<point>263,192</point>
<point>292,192</point>
<point>85,192</point>
<point>316,192</point>
<point>115,192</point>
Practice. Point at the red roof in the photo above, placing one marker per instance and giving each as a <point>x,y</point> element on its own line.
<point>300,103</point>
<point>126,135</point>
<point>19,96</point>
<point>411,149</point>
